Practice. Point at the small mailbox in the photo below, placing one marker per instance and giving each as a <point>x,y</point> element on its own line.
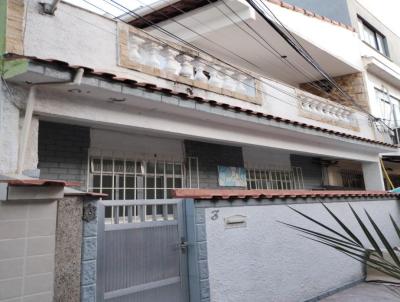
<point>235,221</point>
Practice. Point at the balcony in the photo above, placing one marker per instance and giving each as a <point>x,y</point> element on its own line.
<point>170,61</point>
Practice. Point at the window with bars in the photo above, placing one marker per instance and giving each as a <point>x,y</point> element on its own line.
<point>352,179</point>
<point>126,179</point>
<point>275,178</point>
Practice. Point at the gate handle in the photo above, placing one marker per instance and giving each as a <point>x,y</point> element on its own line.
<point>183,245</point>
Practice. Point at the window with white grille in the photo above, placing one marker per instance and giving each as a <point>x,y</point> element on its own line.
<point>127,179</point>
<point>275,178</point>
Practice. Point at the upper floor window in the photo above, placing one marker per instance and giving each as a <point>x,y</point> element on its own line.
<point>373,37</point>
<point>389,108</point>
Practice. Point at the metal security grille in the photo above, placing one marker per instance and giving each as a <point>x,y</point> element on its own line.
<point>141,253</point>
<point>275,178</point>
<point>127,179</point>
<point>352,179</point>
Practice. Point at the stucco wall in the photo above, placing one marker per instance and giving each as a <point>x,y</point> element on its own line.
<point>9,132</point>
<point>97,35</point>
<point>266,261</point>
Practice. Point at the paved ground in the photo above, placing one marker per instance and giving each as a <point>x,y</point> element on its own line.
<point>367,292</point>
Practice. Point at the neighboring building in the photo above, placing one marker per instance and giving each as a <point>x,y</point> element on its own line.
<point>380,52</point>
<point>92,99</point>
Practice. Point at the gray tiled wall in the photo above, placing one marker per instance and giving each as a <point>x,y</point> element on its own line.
<point>63,151</point>
<point>210,156</point>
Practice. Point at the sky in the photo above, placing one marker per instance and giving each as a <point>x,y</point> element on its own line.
<point>386,10</point>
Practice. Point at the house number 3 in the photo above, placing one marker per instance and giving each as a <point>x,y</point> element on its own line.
<point>215,214</point>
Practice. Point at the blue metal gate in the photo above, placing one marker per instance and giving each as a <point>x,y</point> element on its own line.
<point>141,251</point>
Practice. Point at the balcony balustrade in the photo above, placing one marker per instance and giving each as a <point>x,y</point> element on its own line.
<point>317,108</point>
<point>167,60</point>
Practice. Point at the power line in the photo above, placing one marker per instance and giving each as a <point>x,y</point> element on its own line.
<point>274,51</point>
<point>295,44</point>
<point>126,10</point>
<point>200,50</point>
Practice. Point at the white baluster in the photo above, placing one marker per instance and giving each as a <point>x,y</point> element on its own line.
<point>313,106</point>
<point>134,46</point>
<point>172,65</point>
<point>339,113</point>
<point>321,108</point>
<point>215,79</point>
<point>304,102</point>
<point>333,111</point>
<point>229,82</point>
<point>200,76</point>
<point>186,67</point>
<point>153,58</point>
<point>241,84</point>
<point>346,114</point>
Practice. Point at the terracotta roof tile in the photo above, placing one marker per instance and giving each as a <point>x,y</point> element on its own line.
<point>310,13</point>
<point>272,194</point>
<point>40,182</point>
<point>185,96</point>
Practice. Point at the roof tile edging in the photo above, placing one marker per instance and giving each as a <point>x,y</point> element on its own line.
<point>185,96</point>
<point>226,194</point>
<point>310,14</point>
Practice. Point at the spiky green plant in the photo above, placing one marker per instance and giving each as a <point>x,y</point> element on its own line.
<point>349,244</point>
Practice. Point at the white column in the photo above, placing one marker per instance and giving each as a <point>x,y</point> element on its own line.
<point>373,176</point>
<point>153,50</point>
<point>172,65</point>
<point>200,76</point>
<point>187,67</point>
<point>215,79</point>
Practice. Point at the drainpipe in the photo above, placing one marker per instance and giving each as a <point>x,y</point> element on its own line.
<point>26,126</point>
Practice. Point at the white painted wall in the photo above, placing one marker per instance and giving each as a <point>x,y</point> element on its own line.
<point>9,133</point>
<point>188,123</point>
<point>92,42</point>
<point>134,146</point>
<point>340,42</point>
<point>266,261</point>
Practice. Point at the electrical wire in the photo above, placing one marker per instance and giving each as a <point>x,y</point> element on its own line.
<point>126,10</point>
<point>277,54</point>
<point>222,62</point>
<point>274,51</point>
<point>295,44</point>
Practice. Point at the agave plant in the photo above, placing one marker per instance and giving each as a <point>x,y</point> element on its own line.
<point>349,244</point>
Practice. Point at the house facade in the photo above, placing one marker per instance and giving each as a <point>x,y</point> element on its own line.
<point>201,103</point>
<point>129,112</point>
<point>381,59</point>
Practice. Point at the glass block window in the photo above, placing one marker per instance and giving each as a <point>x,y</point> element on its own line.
<point>126,179</point>
<point>275,178</point>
